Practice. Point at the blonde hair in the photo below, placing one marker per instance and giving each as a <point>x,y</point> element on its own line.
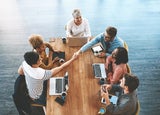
<point>76,13</point>
<point>36,40</point>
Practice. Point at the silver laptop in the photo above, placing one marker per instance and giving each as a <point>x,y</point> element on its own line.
<point>58,85</point>
<point>99,70</point>
<point>77,41</point>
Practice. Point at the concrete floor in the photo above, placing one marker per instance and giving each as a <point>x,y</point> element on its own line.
<point>137,22</point>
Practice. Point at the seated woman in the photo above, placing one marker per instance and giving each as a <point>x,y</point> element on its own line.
<point>78,26</point>
<point>116,65</point>
<point>40,47</point>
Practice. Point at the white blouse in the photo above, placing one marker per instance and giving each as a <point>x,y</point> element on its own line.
<point>82,30</point>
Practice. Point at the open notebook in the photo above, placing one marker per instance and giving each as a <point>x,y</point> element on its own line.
<point>58,85</point>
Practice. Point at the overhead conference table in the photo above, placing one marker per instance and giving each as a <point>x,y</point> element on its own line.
<point>82,95</point>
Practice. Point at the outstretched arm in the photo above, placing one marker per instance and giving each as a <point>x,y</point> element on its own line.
<point>67,63</point>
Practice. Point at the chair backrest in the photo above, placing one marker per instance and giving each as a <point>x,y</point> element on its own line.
<point>138,108</point>
<point>128,68</point>
<point>125,46</point>
<point>20,96</point>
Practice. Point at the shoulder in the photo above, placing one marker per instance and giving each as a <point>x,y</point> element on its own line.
<point>99,36</point>
<point>119,69</point>
<point>85,20</point>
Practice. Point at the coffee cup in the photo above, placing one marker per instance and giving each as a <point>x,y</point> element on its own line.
<point>96,53</point>
<point>64,40</point>
<point>101,81</point>
<point>102,111</point>
<point>63,96</point>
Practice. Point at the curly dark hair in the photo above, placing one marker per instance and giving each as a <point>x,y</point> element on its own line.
<point>121,56</point>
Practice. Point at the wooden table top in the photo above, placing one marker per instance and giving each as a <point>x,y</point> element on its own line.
<point>82,96</point>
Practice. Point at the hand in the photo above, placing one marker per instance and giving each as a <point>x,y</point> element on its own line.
<point>106,86</point>
<point>75,56</point>
<point>56,59</point>
<point>101,54</point>
<point>104,93</point>
<point>78,52</point>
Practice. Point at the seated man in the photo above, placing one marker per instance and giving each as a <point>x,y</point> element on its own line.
<point>108,39</point>
<point>36,77</point>
<point>127,96</point>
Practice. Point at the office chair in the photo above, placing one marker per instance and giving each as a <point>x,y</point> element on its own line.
<point>126,46</point>
<point>138,108</point>
<point>128,68</point>
<point>21,98</point>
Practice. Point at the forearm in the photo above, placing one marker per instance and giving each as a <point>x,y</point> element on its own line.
<point>57,69</point>
<point>49,46</point>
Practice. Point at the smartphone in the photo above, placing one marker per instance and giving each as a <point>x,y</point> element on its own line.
<point>104,88</point>
<point>59,100</point>
<point>103,101</point>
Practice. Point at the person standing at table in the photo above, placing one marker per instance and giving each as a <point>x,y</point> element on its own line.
<point>40,46</point>
<point>108,39</point>
<point>127,102</point>
<point>116,65</point>
<point>36,77</point>
<point>78,26</point>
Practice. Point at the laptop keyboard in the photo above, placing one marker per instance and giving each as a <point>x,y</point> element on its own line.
<point>97,71</point>
<point>59,85</point>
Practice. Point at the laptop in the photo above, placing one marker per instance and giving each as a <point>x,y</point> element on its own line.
<point>99,70</point>
<point>77,41</point>
<point>58,85</point>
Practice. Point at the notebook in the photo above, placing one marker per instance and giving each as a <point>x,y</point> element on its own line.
<point>99,70</point>
<point>76,41</point>
<point>58,54</point>
<point>58,85</point>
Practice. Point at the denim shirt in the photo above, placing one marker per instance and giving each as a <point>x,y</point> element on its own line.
<point>117,42</point>
<point>126,103</point>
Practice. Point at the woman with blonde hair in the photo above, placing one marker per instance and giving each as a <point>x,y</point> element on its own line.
<point>40,46</point>
<point>78,26</point>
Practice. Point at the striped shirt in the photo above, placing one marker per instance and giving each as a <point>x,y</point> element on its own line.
<point>34,79</point>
